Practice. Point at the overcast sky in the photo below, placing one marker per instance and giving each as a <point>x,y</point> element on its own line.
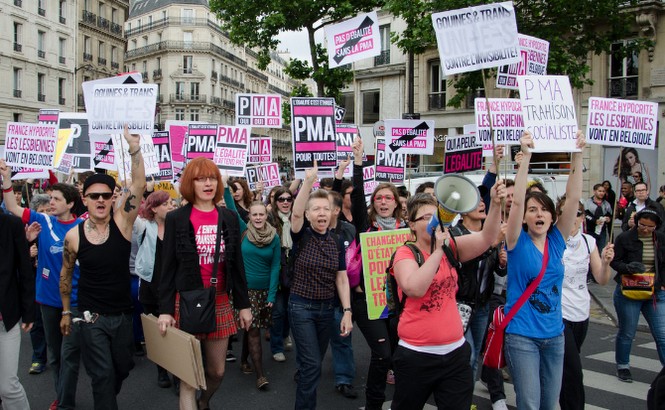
<point>297,44</point>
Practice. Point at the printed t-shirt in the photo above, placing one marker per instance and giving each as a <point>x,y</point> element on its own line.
<point>575,299</point>
<point>205,232</point>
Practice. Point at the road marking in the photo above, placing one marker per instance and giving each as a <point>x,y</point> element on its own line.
<point>601,381</point>
<point>637,362</point>
<point>651,345</point>
<point>481,391</point>
<point>386,406</point>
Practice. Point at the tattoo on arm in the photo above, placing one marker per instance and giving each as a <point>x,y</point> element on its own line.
<point>128,203</point>
<point>68,262</point>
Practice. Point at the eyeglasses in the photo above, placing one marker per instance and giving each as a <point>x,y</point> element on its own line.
<point>425,217</point>
<point>205,179</point>
<point>285,199</point>
<point>388,198</point>
<point>646,227</point>
<point>641,190</point>
<point>95,195</point>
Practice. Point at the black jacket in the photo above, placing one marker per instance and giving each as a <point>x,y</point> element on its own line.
<point>649,203</point>
<point>628,248</point>
<point>180,261</point>
<point>17,279</point>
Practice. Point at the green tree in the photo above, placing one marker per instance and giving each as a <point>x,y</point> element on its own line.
<point>574,29</point>
<point>256,24</point>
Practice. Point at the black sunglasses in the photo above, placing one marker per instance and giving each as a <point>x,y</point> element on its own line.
<point>95,195</point>
<point>285,199</point>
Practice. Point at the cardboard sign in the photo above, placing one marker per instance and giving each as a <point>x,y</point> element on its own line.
<point>507,121</point>
<point>259,110</point>
<point>313,128</point>
<point>230,153</point>
<point>201,141</point>
<point>177,137</point>
<point>339,114</point>
<point>268,173</point>
<point>66,163</point>
<point>30,145</point>
<point>160,139</point>
<point>463,153</point>
<point>410,136</point>
<point>477,37</point>
<point>111,107</point>
<point>260,150</point>
<point>353,40</point>
<point>103,152</point>
<point>79,144</point>
<point>390,166</point>
<point>549,112</point>
<point>376,249</point>
<point>369,181</point>
<point>122,157</point>
<point>533,61</point>
<point>167,186</point>
<point>622,123</point>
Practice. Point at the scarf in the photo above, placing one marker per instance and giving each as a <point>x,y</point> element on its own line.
<point>386,223</point>
<point>261,237</point>
<point>287,242</point>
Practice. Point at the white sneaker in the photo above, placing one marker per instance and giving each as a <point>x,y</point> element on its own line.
<point>279,357</point>
<point>499,405</point>
<point>288,344</point>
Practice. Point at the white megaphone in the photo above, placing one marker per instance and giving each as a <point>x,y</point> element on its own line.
<point>456,194</point>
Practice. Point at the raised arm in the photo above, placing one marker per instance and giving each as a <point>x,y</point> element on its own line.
<point>7,192</point>
<point>69,255</point>
<point>299,205</point>
<point>126,214</point>
<point>517,208</point>
<point>573,189</point>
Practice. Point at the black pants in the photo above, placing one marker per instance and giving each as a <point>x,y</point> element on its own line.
<point>494,377</point>
<point>572,384</point>
<point>448,378</point>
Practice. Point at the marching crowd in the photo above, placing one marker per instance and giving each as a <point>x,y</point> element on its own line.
<point>92,257</point>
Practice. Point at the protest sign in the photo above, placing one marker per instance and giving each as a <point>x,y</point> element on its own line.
<point>177,137</point>
<point>30,145</point>
<point>79,145</point>
<point>390,166</point>
<point>111,107</point>
<point>339,114</point>
<point>476,37</point>
<point>65,165</point>
<point>622,123</point>
<point>103,152</point>
<point>410,136</point>
<point>124,78</point>
<point>488,147</point>
<point>160,139</point>
<point>260,150</point>
<point>346,133</point>
<point>507,121</point>
<point>230,153</point>
<point>353,40</point>
<point>45,116</point>
<point>201,141</point>
<point>268,173</point>
<point>549,112</point>
<point>376,249</point>
<point>463,153</point>
<point>122,157</point>
<point>48,116</point>
<point>166,186</point>
<point>259,110</point>
<point>533,61</point>
<point>313,127</point>
<point>369,181</point>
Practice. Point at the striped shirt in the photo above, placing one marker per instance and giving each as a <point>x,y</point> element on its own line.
<point>648,256</point>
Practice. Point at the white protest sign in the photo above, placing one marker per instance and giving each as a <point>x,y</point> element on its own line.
<point>125,78</point>
<point>622,123</point>
<point>230,153</point>
<point>66,163</point>
<point>488,148</point>
<point>112,106</point>
<point>30,145</point>
<point>533,61</point>
<point>259,110</point>
<point>410,136</point>
<point>260,150</point>
<point>353,40</point>
<point>476,37</point>
<point>121,153</point>
<point>268,173</point>
<point>507,121</point>
<point>549,112</point>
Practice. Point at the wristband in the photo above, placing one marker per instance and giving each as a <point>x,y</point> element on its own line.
<point>7,190</point>
<point>346,309</point>
<point>135,152</point>
<point>66,312</point>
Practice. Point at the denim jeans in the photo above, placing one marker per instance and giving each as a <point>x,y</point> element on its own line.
<point>138,309</point>
<point>107,349</point>
<point>475,334</point>
<point>38,339</point>
<point>342,351</point>
<point>310,325</point>
<point>536,366</point>
<point>628,314</point>
<point>280,322</point>
<point>12,393</point>
<point>70,359</point>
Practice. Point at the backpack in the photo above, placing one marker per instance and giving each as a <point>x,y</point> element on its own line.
<point>394,303</point>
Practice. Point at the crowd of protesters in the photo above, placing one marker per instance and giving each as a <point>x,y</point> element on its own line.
<point>277,261</point>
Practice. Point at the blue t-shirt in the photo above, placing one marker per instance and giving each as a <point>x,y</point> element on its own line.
<point>50,243</point>
<point>540,316</point>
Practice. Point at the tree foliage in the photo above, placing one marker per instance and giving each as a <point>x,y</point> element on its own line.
<point>574,28</point>
<point>256,24</point>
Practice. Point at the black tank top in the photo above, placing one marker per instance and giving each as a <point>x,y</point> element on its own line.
<point>105,283</point>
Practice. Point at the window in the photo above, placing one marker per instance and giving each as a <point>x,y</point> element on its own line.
<point>187,16</point>
<point>18,36</point>
<point>194,91</point>
<point>41,7</point>
<point>101,50</point>
<point>187,39</point>
<point>187,64</point>
<point>149,21</point>
<point>348,103</point>
<point>180,114</point>
<point>100,9</point>
<point>437,88</point>
<point>41,42</point>
<point>86,5</point>
<point>193,115</point>
<point>384,57</point>
<point>114,57</point>
<point>62,47</point>
<point>159,62</point>
<point>623,72</point>
<point>41,78</point>
<point>145,41</point>
<point>18,75</point>
<point>114,15</point>
<point>61,91</point>
<point>370,100</point>
<point>62,11</point>
<point>163,14</point>
<point>180,90</point>
<point>18,117</point>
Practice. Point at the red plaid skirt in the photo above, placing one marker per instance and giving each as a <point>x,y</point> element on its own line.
<point>226,324</point>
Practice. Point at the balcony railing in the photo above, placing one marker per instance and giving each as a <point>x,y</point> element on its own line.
<point>215,100</point>
<point>116,29</point>
<point>145,75</point>
<point>157,74</point>
<point>230,81</point>
<point>188,98</point>
<point>213,75</point>
<point>41,97</point>
<point>278,90</point>
<point>17,93</point>
<point>257,74</point>
<point>18,3</point>
<point>87,57</point>
<point>101,61</point>
<point>18,47</point>
<point>63,20</point>
<point>229,104</point>
<point>115,65</point>
<point>160,98</point>
<point>437,101</point>
<point>62,60</point>
<point>41,11</point>
<point>41,54</point>
<point>383,58</point>
<point>184,46</point>
<point>623,87</point>
<point>103,23</point>
<point>61,100</point>
<point>88,17</point>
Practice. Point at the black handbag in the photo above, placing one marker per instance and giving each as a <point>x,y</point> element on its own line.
<point>197,307</point>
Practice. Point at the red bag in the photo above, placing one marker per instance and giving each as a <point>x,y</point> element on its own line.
<point>494,352</point>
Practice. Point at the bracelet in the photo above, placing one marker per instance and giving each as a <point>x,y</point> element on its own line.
<point>7,190</point>
<point>135,152</point>
<point>66,312</point>
<point>346,309</point>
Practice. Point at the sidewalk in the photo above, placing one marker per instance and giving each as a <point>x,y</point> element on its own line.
<point>602,306</point>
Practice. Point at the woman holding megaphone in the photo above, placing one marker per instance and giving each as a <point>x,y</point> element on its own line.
<point>535,240</point>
